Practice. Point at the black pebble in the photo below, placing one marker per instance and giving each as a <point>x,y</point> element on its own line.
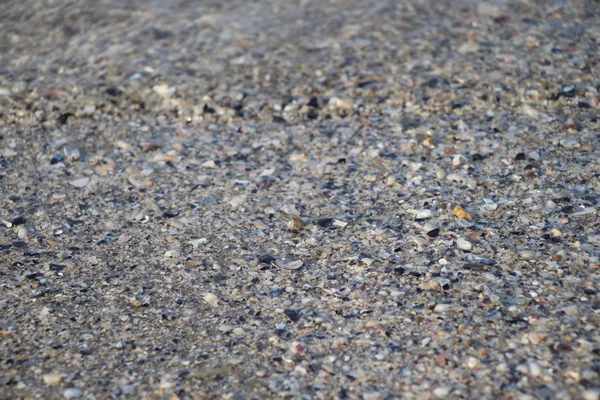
<point>568,210</point>
<point>56,159</point>
<point>399,270</point>
<point>57,267</point>
<point>314,102</point>
<point>520,157</point>
<point>34,275</point>
<point>325,222</point>
<point>476,157</point>
<point>266,259</point>
<point>113,91</point>
<point>434,233</point>
<point>18,220</point>
<point>171,214</point>
<point>292,314</point>
<point>19,244</point>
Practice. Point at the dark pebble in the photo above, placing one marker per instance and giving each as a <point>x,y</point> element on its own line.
<point>568,209</point>
<point>277,293</point>
<point>520,157</point>
<point>563,347</point>
<point>325,222</point>
<point>584,104</point>
<point>314,102</point>
<point>434,233</point>
<point>476,157</point>
<point>57,267</point>
<point>19,220</point>
<point>399,270</point>
<point>292,315</point>
<point>34,275</point>
<point>266,259</point>
<point>569,91</point>
<point>113,91</point>
<point>56,159</point>
<point>19,244</point>
<point>171,214</point>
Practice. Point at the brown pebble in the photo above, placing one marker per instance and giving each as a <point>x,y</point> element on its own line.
<point>461,213</point>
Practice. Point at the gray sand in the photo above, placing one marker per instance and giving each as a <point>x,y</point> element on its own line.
<point>303,199</point>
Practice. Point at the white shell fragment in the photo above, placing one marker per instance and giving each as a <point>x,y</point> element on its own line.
<point>289,265</point>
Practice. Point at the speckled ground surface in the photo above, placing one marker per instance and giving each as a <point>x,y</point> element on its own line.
<point>304,199</point>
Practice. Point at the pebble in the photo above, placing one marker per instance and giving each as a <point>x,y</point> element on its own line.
<point>288,265</point>
<point>72,154</point>
<point>19,220</point>
<point>80,183</point>
<point>442,308</point>
<point>211,299</point>
<point>464,244</point>
<point>460,212</point>
<point>296,224</point>
<point>442,392</point>
<point>72,393</point>
<point>53,379</point>
<point>423,214</point>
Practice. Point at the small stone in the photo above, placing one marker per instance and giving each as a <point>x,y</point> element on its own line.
<point>72,154</point>
<point>423,214</point>
<point>53,379</point>
<point>18,220</point>
<point>171,213</point>
<point>340,224</point>
<point>570,143</point>
<point>534,369</point>
<point>591,394</point>
<point>296,224</point>
<point>209,164</point>
<point>22,233</point>
<point>442,308</point>
<point>236,202</point>
<point>585,211</point>
<point>442,392</point>
<point>460,212</point>
<point>527,254</point>
<point>72,393</point>
<point>266,259</point>
<point>56,159</point>
<point>123,238</point>
<point>9,153</point>
<point>431,229</point>
<point>325,222</point>
<point>127,389</point>
<point>464,244</point>
<point>196,242</point>
<point>293,315</point>
<point>473,363</point>
<point>80,183</point>
<point>458,160</point>
<point>288,265</point>
<point>211,299</point>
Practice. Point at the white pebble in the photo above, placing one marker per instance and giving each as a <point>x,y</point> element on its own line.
<point>464,244</point>
<point>80,183</point>
<point>424,214</point>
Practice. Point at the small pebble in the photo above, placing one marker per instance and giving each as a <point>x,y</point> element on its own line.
<point>72,393</point>
<point>53,379</point>
<point>423,214</point>
<point>80,183</point>
<point>464,244</point>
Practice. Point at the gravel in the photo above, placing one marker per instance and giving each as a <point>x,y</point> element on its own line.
<point>316,199</point>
